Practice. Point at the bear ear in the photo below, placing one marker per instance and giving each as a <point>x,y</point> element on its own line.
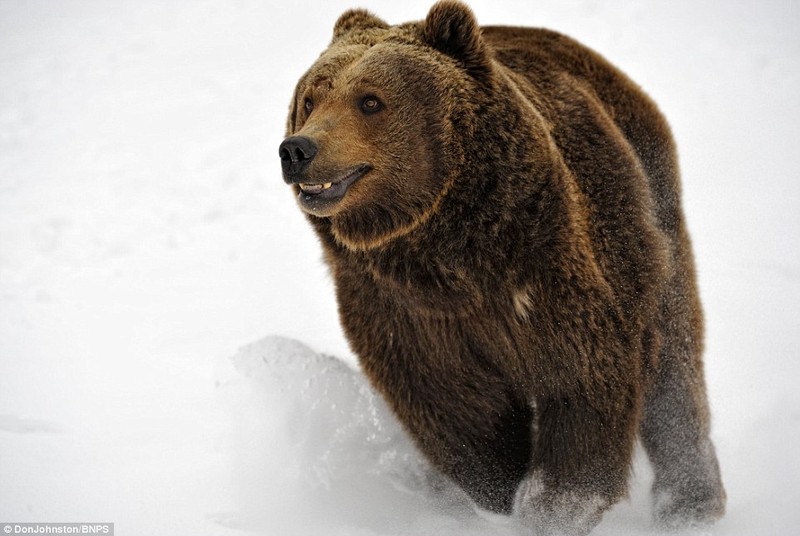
<point>356,19</point>
<point>451,28</point>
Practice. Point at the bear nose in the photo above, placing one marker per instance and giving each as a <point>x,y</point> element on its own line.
<point>296,154</point>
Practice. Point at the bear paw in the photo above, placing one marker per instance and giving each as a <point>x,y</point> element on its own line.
<point>550,512</point>
<point>674,510</point>
<point>691,497</point>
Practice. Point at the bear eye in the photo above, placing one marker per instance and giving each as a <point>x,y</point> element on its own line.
<point>309,105</point>
<point>370,104</point>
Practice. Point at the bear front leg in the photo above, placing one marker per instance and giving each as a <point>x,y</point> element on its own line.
<point>487,463</point>
<point>687,488</point>
<point>485,452</point>
<point>581,461</point>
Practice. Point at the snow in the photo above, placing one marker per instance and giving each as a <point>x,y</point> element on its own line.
<point>147,240</point>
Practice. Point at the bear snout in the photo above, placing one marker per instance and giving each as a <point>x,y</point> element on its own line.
<point>297,153</point>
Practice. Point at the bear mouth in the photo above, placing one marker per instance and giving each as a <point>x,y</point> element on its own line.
<point>315,194</point>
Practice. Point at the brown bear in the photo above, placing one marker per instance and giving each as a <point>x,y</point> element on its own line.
<point>500,211</point>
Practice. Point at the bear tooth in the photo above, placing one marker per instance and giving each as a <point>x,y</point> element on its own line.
<point>326,185</point>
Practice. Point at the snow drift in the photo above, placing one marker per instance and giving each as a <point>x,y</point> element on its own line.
<point>317,451</point>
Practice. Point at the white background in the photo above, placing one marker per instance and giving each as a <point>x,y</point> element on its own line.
<point>146,235</point>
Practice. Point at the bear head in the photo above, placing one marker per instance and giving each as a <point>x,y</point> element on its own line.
<point>377,124</point>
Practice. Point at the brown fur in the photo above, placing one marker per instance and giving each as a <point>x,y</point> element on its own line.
<point>513,271</point>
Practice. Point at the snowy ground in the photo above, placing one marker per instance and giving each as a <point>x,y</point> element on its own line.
<point>146,236</point>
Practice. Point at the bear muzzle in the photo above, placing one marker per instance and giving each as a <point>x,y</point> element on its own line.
<point>320,190</point>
